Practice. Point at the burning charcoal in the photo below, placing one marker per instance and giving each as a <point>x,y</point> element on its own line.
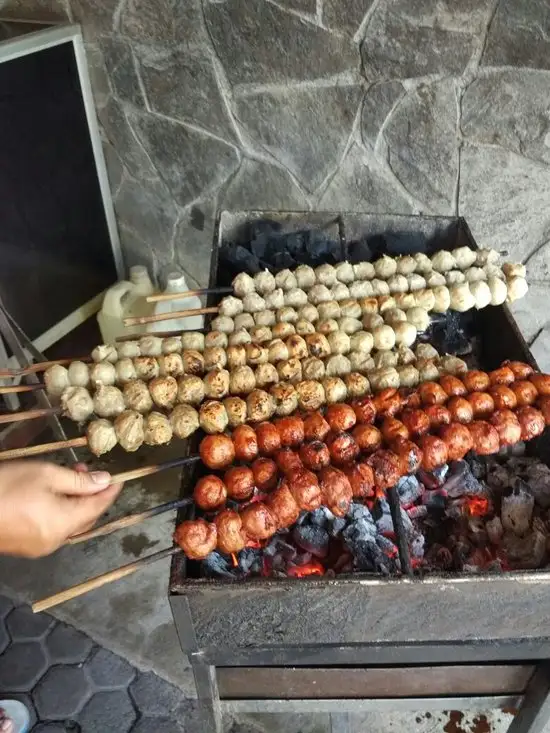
<point>336,526</point>
<point>435,500</point>
<point>461,480</point>
<point>322,517</point>
<point>477,464</point>
<point>416,545</point>
<point>382,516</point>
<point>498,477</point>
<point>409,489</point>
<point>387,546</point>
<point>304,558</point>
<point>216,565</point>
<point>517,511</point>
<point>312,539</point>
<point>494,530</point>
<point>434,479</point>
<point>369,557</point>
<point>360,511</point>
<point>538,478</point>
<point>528,552</point>
<point>250,560</point>
<point>417,512</point>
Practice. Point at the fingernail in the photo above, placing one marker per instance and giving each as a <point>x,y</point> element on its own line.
<point>102,478</point>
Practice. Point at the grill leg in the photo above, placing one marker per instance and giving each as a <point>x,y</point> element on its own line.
<point>534,711</point>
<point>340,723</point>
<point>209,698</point>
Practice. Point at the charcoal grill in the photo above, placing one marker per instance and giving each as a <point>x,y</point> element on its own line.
<point>364,643</point>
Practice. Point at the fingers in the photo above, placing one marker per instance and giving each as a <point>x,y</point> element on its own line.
<point>83,511</point>
<point>76,482</point>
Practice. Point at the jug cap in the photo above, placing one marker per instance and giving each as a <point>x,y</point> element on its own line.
<point>138,272</point>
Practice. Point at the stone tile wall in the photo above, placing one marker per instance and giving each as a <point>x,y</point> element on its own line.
<point>408,106</point>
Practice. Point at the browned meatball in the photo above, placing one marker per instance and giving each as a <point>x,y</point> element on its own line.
<point>283,506</point>
<point>453,386</point>
<point>507,426</point>
<point>269,440</point>
<point>361,479</point>
<point>231,537</point>
<point>476,381</point>
<point>196,538</point>
<point>485,437</point>
<point>343,448</point>
<point>525,393</point>
<point>287,460</point>
<point>291,430</point>
<point>458,440</point>
<point>411,399</point>
<point>265,473</point>
<point>434,452</point>
<point>367,437</point>
<point>315,427</point>
<point>388,402</point>
<point>240,482</point>
<point>461,410</point>
<point>520,368</point>
<point>304,487</point>
<point>364,409</point>
<point>416,421</point>
<point>217,451</point>
<point>245,442</point>
<point>391,428</point>
<point>387,468</point>
<point>336,491</point>
<point>315,455</point>
<point>503,375</point>
<point>210,493</point>
<point>438,416</point>
<point>542,383</point>
<point>544,406</point>
<point>408,453</point>
<point>531,421</point>
<point>258,521</point>
<point>504,397</point>
<point>340,417</point>
<point>482,404</point>
<point>432,393</point>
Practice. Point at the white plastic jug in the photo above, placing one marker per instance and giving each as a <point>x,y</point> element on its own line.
<point>175,283</point>
<point>135,304</point>
<point>110,317</point>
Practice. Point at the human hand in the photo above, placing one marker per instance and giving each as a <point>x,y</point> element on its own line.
<point>42,505</point>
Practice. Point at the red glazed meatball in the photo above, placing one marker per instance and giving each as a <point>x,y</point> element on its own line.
<point>340,417</point>
<point>336,491</point>
<point>504,397</point>
<point>461,410</point>
<point>476,381</point>
<point>246,443</point>
<point>416,421</point>
<point>388,402</point>
<point>507,426</point>
<point>231,537</point>
<point>453,386</point>
<point>283,506</point>
<point>265,473</point>
<point>485,437</point>
<point>361,479</point>
<point>438,416</point>
<point>315,455</point>
<point>258,521</point>
<point>503,375</point>
<point>458,440</point>
<point>520,369</point>
<point>387,468</point>
<point>434,452</point>
<point>240,482</point>
<point>367,437</point>
<point>210,493</point>
<point>482,404</point>
<point>531,421</point>
<point>196,538</point>
<point>287,460</point>
<point>544,407</point>
<point>269,440</point>
<point>408,453</point>
<point>315,427</point>
<point>391,428</point>
<point>217,451</point>
<point>291,430</point>
<point>343,448</point>
<point>304,487</point>
<point>364,409</point>
<point>542,383</point>
<point>432,393</point>
<point>525,393</point>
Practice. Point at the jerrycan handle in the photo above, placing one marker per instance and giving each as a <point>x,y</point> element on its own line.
<point>112,302</point>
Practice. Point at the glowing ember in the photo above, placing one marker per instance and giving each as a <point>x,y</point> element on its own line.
<point>312,568</point>
<point>254,544</point>
<point>477,507</point>
<point>234,560</point>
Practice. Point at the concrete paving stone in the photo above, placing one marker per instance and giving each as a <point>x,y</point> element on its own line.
<point>158,725</point>
<point>154,696</point>
<point>67,727</point>
<point>23,624</point>
<point>109,671</point>
<point>4,637</point>
<point>108,711</point>
<point>21,666</point>
<point>68,645</point>
<point>62,692</point>
<point>5,606</point>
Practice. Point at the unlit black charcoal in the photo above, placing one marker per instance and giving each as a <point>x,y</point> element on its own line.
<point>312,538</point>
<point>216,565</point>
<point>460,481</point>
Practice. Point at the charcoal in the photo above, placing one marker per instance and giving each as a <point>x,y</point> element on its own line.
<point>382,517</point>
<point>434,479</point>
<point>312,539</point>
<point>302,559</point>
<point>322,517</point>
<point>461,481</point>
<point>409,489</point>
<point>359,511</point>
<point>360,251</point>
<point>494,530</point>
<point>477,464</point>
<point>517,510</point>
<point>417,543</point>
<point>369,557</point>
<point>336,526</point>
<point>417,512</point>
<point>216,565</point>
<point>250,560</point>
<point>538,478</point>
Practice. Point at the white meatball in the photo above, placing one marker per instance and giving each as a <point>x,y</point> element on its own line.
<point>319,294</point>
<point>499,290</point>
<point>423,262</point>
<point>264,282</point>
<point>365,288</point>
<point>486,256</point>
<point>443,261</point>
<point>405,300</point>
<point>216,384</point>
<point>295,297</point>
<point>236,411</point>
<point>125,371</point>
<point>386,378</point>
<point>362,341</point>
<point>77,404</point>
<point>512,269</point>
<point>330,309</point>
<point>482,294</point>
<point>213,417</point>
<point>253,303</point>
<point>79,374</point>
<point>325,275</point>
<point>243,320</point>
<point>311,395</point>
<point>385,359</point>
<point>398,284</point>
<point>105,352</point>
<point>240,337</point>
<point>275,300</point>
<point>385,303</point>
<point>243,284</point>
<point>426,351</point>
<point>305,276</point>
<point>287,315</point>
<point>435,279</point>
<point>337,366</point>
<point>350,308</point>
<point>286,280</point>
<point>350,325</point>
<point>452,277</point>
<point>283,330</point>
<point>357,385</point>
<point>261,334</point>
<point>380,287</point>
<point>190,390</point>
<point>319,345</point>
<point>344,272</point>
<point>517,288</point>
<point>102,373</point>
<point>265,318</point>
<point>171,345</point>
<point>394,315</point>
<point>184,420</point>
<point>290,371</point>
<point>425,299</point>
<point>419,317</point>
<point>214,358</point>
<point>368,305</point>
<point>452,365</point>
<point>361,362</point>
<point>215,338</point>
<point>192,340</point>
<point>464,257</point>
<point>304,327</point>
<point>150,346</point>
<point>108,401</point>
<point>128,350</point>
<point>405,355</point>
<point>385,267</point>
<point>313,368</point>
<point>372,321</point>
<point>335,390</point>
<point>475,274</point>
<point>416,282</point>
<point>363,271</point>
<point>339,342</point>
<point>494,271</point>
<point>427,370</point>
<point>340,291</point>
<point>297,347</point>
<point>129,430</point>
<point>442,299</point>
<point>266,374</point>
<point>327,326</point>
<point>406,265</point>
<point>224,324</point>
<point>408,376</point>
<point>242,380</point>
<point>278,351</point>
<point>384,338</point>
<point>405,333</point>
<point>101,437</point>
<point>309,313</point>
<point>462,299</point>
<point>231,306</point>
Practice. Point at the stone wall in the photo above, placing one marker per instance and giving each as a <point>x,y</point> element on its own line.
<point>409,106</point>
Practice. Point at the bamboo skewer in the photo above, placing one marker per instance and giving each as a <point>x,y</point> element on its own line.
<point>41,366</point>
<point>123,572</point>
<point>138,320</point>
<point>37,450</point>
<point>29,414</point>
<point>19,388</point>
<point>162,297</point>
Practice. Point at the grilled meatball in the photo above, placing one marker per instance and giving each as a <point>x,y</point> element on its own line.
<point>56,378</point>
<point>236,356</point>
<point>258,521</point>
<point>283,506</point>
<point>196,538</point>
<point>278,351</point>
<point>290,371</point>
<point>184,420</point>
<point>304,328</point>
<point>210,493</point>
<point>521,369</point>
<point>438,416</point>
<point>391,428</point>
<point>77,404</point>
<point>388,403</point>
<point>215,339</point>
<point>504,375</point>
<point>101,437</point>
<point>164,391</point>
<point>287,460</point>
<point>507,426</point>
<point>158,430</point>
<point>129,428</point>
<point>236,411</point>
<point>356,385</point>
<point>171,365</point>
<point>240,337</point>
<point>504,397</point>
<point>485,437</point>
<point>458,440</point>
<point>542,383</point>
<point>336,491</point>
<point>318,345</point>
<point>365,410</point>
<point>340,417</point>
<point>269,438</point>
<point>213,417</point>
<point>239,481</point>
<point>453,386</point>
<point>531,421</point>
<point>231,538</point>
<point>343,448</point>
<point>367,437</point>
<point>256,354</point>
<point>108,401</point>
<point>315,455</point>
<point>417,422</point>
<point>283,330</point>
<point>434,452</point>
<point>315,427</point>
<point>304,487</point>
<point>525,393</point>
<point>285,398</point>
<point>476,381</point>
<point>335,390</point>
<point>217,451</point>
<point>432,393</point>
<point>291,430</point>
<point>461,410</point>
<point>361,478</point>
<point>242,380</point>
<point>408,453</point>
<point>482,404</point>
<point>313,368</point>
<point>193,362</point>
<point>327,326</point>
<point>387,468</point>
<point>265,473</point>
<point>544,407</point>
<point>311,395</point>
<point>245,442</point>
<point>265,375</point>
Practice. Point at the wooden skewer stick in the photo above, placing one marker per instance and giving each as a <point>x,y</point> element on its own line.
<point>160,297</point>
<point>28,414</point>
<point>37,450</point>
<point>19,388</point>
<point>123,572</point>
<point>41,366</point>
<point>138,320</point>
<point>160,334</point>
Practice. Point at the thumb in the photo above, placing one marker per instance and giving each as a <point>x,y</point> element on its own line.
<point>77,483</point>
<point>83,511</point>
